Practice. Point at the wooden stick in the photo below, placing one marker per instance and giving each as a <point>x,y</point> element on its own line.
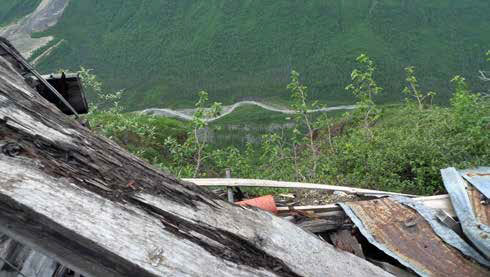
<point>209,182</point>
<point>231,197</point>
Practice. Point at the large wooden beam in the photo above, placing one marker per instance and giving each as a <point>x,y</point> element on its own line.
<point>84,201</point>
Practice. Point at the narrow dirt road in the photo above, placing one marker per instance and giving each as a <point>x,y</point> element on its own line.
<point>186,114</point>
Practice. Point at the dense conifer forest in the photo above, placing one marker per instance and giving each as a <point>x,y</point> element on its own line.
<point>163,51</point>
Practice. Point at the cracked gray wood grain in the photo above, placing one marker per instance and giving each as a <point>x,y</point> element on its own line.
<point>87,203</point>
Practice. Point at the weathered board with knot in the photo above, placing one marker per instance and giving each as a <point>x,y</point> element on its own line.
<point>87,203</point>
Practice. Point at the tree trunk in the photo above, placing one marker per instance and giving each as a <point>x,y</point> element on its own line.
<point>85,202</point>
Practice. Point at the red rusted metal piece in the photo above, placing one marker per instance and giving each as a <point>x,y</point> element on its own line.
<point>266,203</point>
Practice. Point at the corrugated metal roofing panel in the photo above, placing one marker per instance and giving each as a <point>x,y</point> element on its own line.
<point>444,232</point>
<point>404,234</point>
<point>474,229</point>
<point>479,178</point>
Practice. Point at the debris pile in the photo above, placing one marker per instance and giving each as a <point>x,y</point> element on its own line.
<point>447,235</point>
<point>444,235</point>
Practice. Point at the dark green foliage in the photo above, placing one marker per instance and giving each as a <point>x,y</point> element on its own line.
<point>252,113</point>
<point>406,146</point>
<point>142,135</point>
<point>409,147</point>
<point>163,51</point>
<point>14,9</point>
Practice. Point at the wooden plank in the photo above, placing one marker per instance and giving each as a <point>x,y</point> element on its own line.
<point>320,225</point>
<point>249,227</point>
<point>209,182</point>
<point>136,220</point>
<point>315,208</point>
<point>441,202</point>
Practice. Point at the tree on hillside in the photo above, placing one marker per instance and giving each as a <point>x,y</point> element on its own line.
<point>485,75</point>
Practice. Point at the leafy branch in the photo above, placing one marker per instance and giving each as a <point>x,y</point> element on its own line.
<point>364,88</point>
<point>299,95</point>
<point>199,122</point>
<point>414,90</point>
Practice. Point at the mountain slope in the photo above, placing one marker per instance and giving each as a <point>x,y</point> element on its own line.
<point>42,18</point>
<point>162,52</point>
<point>14,9</point>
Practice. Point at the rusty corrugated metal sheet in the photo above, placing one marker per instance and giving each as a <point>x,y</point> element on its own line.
<point>479,178</point>
<point>403,234</point>
<point>469,213</point>
<point>445,232</point>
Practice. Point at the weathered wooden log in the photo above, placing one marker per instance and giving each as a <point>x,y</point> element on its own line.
<point>82,200</point>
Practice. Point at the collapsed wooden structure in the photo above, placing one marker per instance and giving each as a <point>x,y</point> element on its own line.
<point>444,235</point>
<point>85,202</point>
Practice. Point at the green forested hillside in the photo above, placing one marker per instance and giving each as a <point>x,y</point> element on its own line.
<point>162,52</point>
<point>399,147</point>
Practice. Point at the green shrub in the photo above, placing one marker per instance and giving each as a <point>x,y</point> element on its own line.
<point>392,147</point>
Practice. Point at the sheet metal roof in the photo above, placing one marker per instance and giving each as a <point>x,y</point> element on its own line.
<point>404,234</point>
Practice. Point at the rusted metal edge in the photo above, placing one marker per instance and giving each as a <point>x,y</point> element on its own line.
<point>365,232</point>
<point>444,232</point>
<point>477,233</point>
<point>479,178</point>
